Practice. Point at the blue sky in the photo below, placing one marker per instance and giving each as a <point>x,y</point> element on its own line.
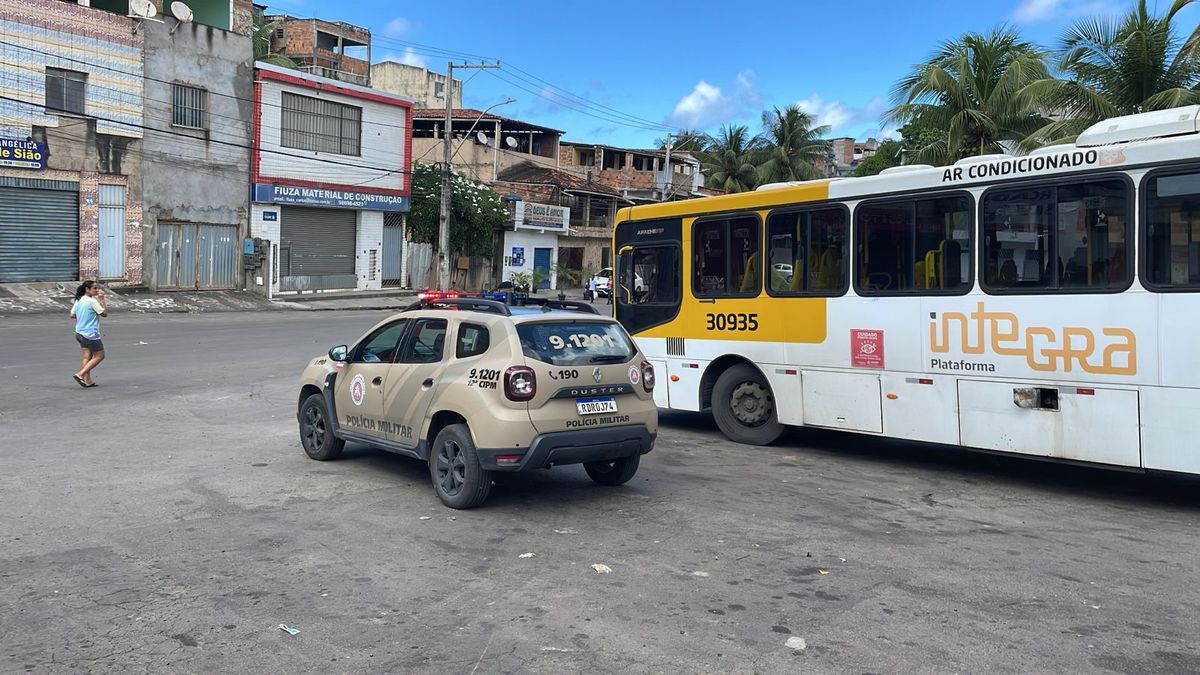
<point>626,73</point>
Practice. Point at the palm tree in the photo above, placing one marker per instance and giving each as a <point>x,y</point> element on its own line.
<point>263,32</point>
<point>728,163</point>
<point>1118,68</point>
<point>687,140</point>
<point>791,146</point>
<point>972,88</point>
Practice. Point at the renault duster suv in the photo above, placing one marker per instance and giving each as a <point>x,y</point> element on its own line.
<point>474,386</point>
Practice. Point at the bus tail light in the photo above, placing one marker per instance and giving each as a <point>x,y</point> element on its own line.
<point>520,383</point>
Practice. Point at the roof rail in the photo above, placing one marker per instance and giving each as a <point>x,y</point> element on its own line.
<point>468,304</point>
<point>568,305</point>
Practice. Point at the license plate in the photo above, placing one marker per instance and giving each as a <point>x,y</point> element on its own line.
<point>596,406</point>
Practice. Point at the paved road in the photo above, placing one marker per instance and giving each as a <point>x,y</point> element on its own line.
<point>168,521</point>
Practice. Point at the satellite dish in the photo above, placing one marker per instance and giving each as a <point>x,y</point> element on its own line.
<point>510,142</point>
<point>182,13</point>
<point>482,138</point>
<point>142,9</point>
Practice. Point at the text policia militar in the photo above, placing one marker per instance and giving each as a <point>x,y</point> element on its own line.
<point>1008,167</point>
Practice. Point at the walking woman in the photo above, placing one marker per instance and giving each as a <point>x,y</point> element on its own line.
<point>88,308</point>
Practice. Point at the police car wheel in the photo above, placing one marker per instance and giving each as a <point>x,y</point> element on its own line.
<point>316,430</point>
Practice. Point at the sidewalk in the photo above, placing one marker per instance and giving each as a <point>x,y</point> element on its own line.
<point>56,298</point>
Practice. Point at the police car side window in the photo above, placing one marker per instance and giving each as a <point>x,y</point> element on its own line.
<point>472,340</point>
<point>424,345</point>
<point>380,346</point>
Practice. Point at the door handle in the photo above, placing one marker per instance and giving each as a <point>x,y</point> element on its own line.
<point>428,382</point>
<point>377,381</point>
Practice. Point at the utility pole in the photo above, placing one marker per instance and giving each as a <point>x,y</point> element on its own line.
<point>444,214</point>
<point>669,181</point>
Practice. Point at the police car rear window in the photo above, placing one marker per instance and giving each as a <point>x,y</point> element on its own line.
<point>575,343</point>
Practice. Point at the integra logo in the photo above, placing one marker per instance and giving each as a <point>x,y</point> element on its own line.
<point>1045,349</point>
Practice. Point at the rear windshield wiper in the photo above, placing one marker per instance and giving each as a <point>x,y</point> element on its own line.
<point>609,358</point>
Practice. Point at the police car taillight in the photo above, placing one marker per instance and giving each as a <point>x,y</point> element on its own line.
<point>520,383</point>
<point>647,376</point>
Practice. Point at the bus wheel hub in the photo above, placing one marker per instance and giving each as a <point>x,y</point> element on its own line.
<point>750,404</point>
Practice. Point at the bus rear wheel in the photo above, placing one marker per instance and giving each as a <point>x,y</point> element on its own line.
<point>744,407</point>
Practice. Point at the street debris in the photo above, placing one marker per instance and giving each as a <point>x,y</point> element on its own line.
<point>796,643</point>
<point>525,555</point>
<point>698,573</point>
<point>140,342</point>
<point>288,629</point>
<point>425,518</point>
<point>601,568</point>
<point>565,531</point>
<point>823,571</point>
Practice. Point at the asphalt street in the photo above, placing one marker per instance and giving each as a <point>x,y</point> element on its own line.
<point>168,521</point>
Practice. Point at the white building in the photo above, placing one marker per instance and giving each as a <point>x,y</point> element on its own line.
<point>330,182</point>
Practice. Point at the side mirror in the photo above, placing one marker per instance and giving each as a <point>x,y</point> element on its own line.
<point>340,353</point>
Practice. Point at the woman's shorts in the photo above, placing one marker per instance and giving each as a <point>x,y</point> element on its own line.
<point>88,343</point>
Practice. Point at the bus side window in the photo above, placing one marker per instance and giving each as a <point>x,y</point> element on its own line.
<point>805,253</point>
<point>727,260</point>
<point>915,245</point>
<point>1057,238</point>
<point>1173,231</point>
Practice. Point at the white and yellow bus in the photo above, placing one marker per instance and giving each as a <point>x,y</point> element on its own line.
<point>1045,304</point>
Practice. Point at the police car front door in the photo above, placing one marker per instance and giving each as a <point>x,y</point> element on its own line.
<point>360,386</point>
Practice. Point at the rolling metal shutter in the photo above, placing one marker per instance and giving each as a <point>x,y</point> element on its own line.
<point>318,242</point>
<point>39,233</point>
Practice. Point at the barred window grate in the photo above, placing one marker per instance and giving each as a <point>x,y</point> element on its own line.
<point>190,105</point>
<point>320,126</point>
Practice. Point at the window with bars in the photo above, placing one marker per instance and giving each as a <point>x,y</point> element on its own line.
<point>65,90</point>
<point>321,126</point>
<point>189,106</point>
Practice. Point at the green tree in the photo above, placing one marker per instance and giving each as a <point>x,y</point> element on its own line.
<point>1113,68</point>
<point>887,155</point>
<point>263,32</point>
<point>791,146</point>
<point>475,211</point>
<point>973,89</point>
<point>728,161</point>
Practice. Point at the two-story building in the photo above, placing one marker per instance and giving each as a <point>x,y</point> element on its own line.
<point>330,182</point>
<point>640,175</point>
<point>71,130</point>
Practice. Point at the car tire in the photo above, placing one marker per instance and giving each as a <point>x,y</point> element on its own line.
<point>316,430</point>
<point>613,472</point>
<point>458,478</point>
<point>744,406</point>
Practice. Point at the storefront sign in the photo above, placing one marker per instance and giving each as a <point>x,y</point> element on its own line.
<point>21,154</point>
<point>346,199</point>
<point>541,216</point>
<point>518,256</point>
<point>866,348</point>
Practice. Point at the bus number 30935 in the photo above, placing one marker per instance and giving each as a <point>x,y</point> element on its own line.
<point>732,321</point>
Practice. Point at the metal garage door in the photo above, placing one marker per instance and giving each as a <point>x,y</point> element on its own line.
<point>39,232</point>
<point>201,257</point>
<point>316,248</point>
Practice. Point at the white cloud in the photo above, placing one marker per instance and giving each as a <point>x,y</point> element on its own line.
<point>707,105</point>
<point>832,113</point>
<point>1034,10</point>
<point>397,27</point>
<point>408,58</point>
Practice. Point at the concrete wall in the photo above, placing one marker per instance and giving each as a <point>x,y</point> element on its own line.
<point>414,82</point>
<point>198,176</point>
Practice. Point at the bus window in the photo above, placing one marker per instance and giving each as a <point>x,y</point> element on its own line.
<point>1057,237</point>
<point>727,258</point>
<point>650,275</point>
<point>807,252</point>
<point>1173,231</point>
<point>920,246</point>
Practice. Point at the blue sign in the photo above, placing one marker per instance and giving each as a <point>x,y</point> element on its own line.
<point>346,199</point>
<point>22,154</point>
<point>518,256</point>
<point>270,216</point>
